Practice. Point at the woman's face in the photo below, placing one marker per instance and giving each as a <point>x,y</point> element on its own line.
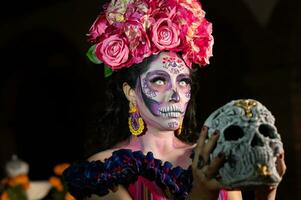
<point>163,92</point>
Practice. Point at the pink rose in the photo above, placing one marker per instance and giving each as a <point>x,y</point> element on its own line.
<point>165,34</point>
<point>113,51</point>
<point>97,29</point>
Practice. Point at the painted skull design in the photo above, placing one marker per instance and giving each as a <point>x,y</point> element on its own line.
<point>250,141</point>
<point>164,92</point>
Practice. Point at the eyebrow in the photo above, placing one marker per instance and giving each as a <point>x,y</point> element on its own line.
<point>184,74</point>
<point>157,72</point>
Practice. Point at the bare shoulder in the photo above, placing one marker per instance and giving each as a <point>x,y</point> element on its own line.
<point>234,195</point>
<point>108,153</point>
<point>102,155</point>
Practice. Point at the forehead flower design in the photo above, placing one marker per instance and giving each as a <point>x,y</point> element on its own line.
<point>174,64</point>
<point>130,30</point>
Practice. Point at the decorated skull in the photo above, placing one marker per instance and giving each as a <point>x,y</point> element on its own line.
<point>250,141</point>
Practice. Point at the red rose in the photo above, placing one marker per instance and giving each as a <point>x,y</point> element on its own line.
<point>199,49</point>
<point>97,29</point>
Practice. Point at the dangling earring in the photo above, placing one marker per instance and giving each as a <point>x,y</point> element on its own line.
<point>136,123</point>
<point>179,131</point>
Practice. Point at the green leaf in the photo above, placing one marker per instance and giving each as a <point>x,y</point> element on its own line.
<point>91,55</point>
<point>107,71</point>
<point>16,193</point>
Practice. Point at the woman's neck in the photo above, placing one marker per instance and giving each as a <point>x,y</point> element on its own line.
<point>164,146</point>
<point>160,143</point>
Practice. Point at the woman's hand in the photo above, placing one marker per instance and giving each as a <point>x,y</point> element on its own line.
<point>268,192</point>
<point>280,164</point>
<point>205,186</point>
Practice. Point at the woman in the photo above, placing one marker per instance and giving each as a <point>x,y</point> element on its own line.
<point>148,47</point>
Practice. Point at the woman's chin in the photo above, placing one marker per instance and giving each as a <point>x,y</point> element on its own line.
<point>172,124</point>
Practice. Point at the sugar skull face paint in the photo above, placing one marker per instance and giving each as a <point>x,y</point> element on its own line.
<point>164,92</point>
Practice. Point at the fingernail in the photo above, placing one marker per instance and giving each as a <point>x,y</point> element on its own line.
<point>114,188</point>
<point>204,128</point>
<point>280,156</point>
<point>216,132</point>
<point>221,154</point>
<point>192,154</point>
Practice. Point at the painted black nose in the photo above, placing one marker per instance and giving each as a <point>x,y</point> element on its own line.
<point>175,97</point>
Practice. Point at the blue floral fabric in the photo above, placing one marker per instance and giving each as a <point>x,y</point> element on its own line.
<point>123,167</point>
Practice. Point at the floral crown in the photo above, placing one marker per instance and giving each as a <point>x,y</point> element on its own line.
<point>130,30</point>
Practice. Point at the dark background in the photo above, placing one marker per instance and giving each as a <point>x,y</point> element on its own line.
<point>49,91</point>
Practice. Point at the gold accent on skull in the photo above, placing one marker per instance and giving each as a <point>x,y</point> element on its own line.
<point>263,170</point>
<point>247,105</point>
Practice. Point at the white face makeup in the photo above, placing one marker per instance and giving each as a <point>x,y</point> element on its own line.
<point>163,92</point>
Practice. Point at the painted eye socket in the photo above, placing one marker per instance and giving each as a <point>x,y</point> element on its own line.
<point>158,81</point>
<point>184,82</point>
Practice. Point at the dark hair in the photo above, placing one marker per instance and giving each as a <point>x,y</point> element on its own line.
<point>112,127</point>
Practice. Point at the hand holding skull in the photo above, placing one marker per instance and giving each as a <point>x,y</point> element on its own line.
<point>205,185</point>
<point>252,149</point>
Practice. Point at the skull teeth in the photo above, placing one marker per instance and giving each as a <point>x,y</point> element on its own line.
<point>237,169</point>
<point>170,114</point>
<point>170,111</point>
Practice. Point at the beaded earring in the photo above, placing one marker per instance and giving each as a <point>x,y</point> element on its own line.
<point>135,121</point>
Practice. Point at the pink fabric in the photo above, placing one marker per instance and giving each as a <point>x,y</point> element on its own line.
<point>143,189</point>
<point>222,195</point>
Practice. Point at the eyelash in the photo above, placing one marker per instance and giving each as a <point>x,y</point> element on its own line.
<point>154,80</point>
<point>186,80</point>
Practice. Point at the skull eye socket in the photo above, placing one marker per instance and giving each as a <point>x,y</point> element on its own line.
<point>267,131</point>
<point>233,132</point>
